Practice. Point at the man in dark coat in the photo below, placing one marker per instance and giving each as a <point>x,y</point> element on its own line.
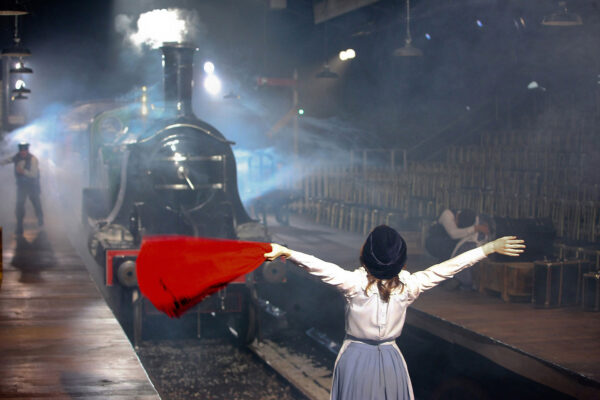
<point>27,175</point>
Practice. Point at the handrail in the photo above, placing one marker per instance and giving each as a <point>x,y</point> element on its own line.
<point>490,105</point>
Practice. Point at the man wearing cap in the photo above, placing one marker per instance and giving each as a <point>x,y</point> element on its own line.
<point>27,175</point>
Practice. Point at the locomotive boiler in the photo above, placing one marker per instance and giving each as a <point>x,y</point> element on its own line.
<point>165,171</point>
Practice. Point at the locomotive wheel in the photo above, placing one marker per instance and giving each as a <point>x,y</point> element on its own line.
<point>274,271</point>
<point>244,325</point>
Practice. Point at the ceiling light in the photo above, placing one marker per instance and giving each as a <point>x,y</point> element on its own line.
<point>21,90</point>
<point>534,85</point>
<point>347,54</point>
<point>16,51</point>
<point>20,68</point>
<point>562,17</point>
<point>19,96</point>
<point>212,84</point>
<point>326,73</point>
<point>408,50</point>
<point>209,67</point>
<point>9,8</point>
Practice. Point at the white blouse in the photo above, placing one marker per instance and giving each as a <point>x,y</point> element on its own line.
<point>448,220</point>
<point>367,316</point>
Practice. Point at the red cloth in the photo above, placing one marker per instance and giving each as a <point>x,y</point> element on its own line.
<point>177,272</point>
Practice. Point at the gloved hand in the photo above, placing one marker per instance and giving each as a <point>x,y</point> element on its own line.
<point>277,251</point>
<point>507,245</point>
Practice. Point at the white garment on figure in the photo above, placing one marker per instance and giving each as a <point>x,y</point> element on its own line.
<point>448,220</point>
<point>475,237</point>
<point>367,316</point>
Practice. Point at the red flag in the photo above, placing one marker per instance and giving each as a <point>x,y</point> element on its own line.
<point>177,272</point>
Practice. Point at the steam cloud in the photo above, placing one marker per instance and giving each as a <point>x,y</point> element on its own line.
<point>159,26</point>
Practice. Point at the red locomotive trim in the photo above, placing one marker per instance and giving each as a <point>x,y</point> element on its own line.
<point>110,255</point>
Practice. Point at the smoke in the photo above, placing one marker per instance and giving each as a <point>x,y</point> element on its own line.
<point>156,27</point>
<point>62,162</point>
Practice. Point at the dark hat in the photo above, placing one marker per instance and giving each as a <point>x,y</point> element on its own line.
<point>23,146</point>
<point>384,252</point>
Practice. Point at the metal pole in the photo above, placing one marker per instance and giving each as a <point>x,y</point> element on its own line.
<point>5,93</point>
<point>295,121</point>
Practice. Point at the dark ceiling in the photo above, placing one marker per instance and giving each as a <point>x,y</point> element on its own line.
<point>473,50</point>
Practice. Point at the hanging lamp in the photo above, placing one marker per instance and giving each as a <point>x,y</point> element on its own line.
<point>562,17</point>
<point>19,96</point>
<point>408,50</point>
<point>16,50</point>
<point>11,7</point>
<point>20,68</point>
<point>326,72</point>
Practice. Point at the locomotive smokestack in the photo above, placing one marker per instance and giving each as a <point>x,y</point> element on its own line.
<point>178,66</point>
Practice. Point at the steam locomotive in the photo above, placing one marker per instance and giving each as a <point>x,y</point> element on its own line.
<point>166,172</point>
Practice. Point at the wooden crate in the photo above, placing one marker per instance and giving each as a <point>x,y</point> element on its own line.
<point>512,280</point>
<point>558,283</point>
<point>590,294</point>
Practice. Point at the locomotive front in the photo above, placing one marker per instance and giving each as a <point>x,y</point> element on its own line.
<point>179,177</point>
<point>184,174</point>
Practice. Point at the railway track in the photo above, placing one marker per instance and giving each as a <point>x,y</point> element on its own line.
<point>312,380</point>
<point>215,368</point>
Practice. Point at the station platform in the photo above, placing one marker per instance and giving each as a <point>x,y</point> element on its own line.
<point>557,348</point>
<point>58,338</point>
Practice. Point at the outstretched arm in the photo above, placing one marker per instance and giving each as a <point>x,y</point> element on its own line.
<point>429,278</point>
<point>507,245</point>
<point>329,273</point>
<point>277,251</point>
<point>5,161</point>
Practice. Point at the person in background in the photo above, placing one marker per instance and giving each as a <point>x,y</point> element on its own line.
<point>370,365</point>
<point>464,279</point>
<point>27,175</point>
<point>449,229</point>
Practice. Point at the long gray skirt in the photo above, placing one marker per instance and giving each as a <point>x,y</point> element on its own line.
<point>370,372</point>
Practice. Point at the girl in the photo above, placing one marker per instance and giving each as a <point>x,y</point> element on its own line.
<point>369,364</point>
